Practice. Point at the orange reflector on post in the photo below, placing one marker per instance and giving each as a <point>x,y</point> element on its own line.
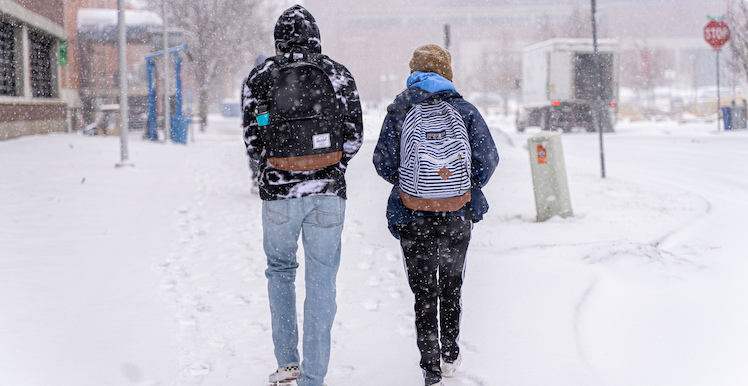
<point>542,154</point>
<point>557,103</point>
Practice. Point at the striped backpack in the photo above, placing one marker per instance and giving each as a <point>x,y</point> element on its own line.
<point>435,158</point>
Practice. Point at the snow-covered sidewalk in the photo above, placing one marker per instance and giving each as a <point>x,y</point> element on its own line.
<point>154,275</point>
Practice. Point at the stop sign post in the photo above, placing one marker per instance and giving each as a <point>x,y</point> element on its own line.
<point>717,33</point>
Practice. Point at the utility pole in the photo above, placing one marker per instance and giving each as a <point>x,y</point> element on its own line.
<point>124,121</point>
<point>598,97</point>
<point>165,79</point>
<point>446,37</point>
<point>718,99</point>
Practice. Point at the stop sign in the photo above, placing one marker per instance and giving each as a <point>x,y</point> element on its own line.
<point>716,33</point>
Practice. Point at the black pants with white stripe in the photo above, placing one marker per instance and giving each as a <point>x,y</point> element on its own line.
<point>434,249</point>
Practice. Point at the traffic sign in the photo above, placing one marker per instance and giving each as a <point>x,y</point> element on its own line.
<point>716,33</point>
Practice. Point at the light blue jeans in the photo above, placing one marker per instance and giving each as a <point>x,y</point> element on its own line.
<point>319,220</point>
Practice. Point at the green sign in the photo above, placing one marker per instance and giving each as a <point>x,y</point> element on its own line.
<point>63,53</point>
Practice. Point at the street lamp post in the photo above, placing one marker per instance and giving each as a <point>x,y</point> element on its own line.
<point>447,37</point>
<point>124,121</point>
<point>165,79</point>
<point>598,97</point>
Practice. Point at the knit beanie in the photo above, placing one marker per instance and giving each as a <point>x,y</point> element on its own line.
<point>432,58</point>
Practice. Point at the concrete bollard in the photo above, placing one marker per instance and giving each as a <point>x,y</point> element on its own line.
<point>549,176</point>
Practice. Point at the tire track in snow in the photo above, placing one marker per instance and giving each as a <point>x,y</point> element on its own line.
<point>578,313</point>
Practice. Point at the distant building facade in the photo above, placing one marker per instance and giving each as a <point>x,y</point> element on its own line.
<point>660,41</point>
<point>30,76</point>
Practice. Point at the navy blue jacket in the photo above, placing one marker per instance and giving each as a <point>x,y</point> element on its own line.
<point>387,154</point>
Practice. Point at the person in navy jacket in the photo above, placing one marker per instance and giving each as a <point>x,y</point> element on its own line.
<point>435,243</point>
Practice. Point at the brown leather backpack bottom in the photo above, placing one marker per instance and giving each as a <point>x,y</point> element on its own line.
<point>307,162</point>
<point>435,205</point>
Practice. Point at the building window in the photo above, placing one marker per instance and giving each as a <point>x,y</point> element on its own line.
<point>7,60</point>
<point>40,64</point>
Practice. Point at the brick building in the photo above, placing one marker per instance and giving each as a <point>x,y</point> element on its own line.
<point>30,87</point>
<point>94,58</point>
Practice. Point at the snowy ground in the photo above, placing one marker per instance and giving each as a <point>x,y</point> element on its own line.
<point>153,275</point>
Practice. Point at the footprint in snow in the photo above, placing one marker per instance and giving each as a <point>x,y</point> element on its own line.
<point>148,383</point>
<point>217,342</point>
<point>468,379</point>
<point>343,371</point>
<point>186,320</point>
<point>406,330</point>
<point>200,307</point>
<point>371,304</point>
<point>199,369</point>
<point>373,282</point>
<point>255,327</point>
<point>168,284</point>
<point>392,256</point>
<point>172,257</point>
<point>237,299</point>
<point>391,273</point>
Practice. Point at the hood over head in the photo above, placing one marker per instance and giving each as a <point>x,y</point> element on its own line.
<point>415,95</point>
<point>429,81</point>
<point>261,57</point>
<point>297,31</point>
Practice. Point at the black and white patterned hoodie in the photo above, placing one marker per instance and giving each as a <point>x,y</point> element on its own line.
<point>297,35</point>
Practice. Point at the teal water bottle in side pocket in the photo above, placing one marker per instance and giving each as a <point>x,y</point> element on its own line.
<point>263,117</point>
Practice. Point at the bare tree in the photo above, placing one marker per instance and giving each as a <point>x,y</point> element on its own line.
<point>578,25</point>
<point>546,29</point>
<point>222,36</point>
<point>500,70</point>
<point>737,20</point>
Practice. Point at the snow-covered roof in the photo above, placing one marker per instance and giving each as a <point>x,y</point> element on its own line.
<point>574,44</point>
<point>139,4</point>
<point>101,24</point>
<point>97,18</point>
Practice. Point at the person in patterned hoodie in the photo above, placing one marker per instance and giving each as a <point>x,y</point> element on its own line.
<point>310,203</point>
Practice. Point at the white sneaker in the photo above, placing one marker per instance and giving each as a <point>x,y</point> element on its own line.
<point>284,375</point>
<point>449,369</point>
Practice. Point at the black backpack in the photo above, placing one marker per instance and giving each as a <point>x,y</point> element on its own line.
<point>304,128</point>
